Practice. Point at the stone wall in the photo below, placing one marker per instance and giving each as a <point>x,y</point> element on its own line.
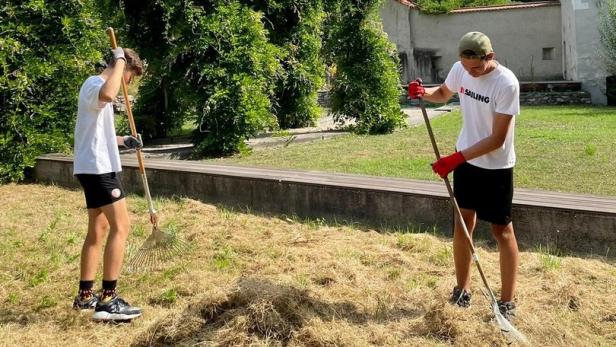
<point>323,98</point>
<point>566,221</point>
<point>555,98</point>
<point>120,106</point>
<point>526,98</point>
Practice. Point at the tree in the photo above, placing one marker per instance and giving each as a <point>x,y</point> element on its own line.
<point>366,87</point>
<point>210,62</point>
<point>47,49</point>
<point>295,26</point>
<point>607,31</point>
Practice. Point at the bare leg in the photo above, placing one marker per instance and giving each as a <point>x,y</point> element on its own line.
<point>461,251</point>
<point>119,222</point>
<point>509,259</point>
<point>91,250</point>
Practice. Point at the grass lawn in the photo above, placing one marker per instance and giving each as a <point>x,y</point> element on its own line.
<point>568,148</point>
<point>260,280</point>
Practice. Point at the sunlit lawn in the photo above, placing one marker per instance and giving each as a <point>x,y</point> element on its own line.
<point>559,148</point>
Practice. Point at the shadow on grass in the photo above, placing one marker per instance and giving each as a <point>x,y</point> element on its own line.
<point>482,235</point>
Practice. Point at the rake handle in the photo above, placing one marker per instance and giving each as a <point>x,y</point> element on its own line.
<point>133,130</point>
<point>454,202</point>
<point>131,120</point>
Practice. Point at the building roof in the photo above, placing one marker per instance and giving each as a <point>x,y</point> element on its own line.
<point>513,6</point>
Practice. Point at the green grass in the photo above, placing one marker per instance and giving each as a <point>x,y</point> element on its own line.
<point>559,148</point>
<point>550,257</point>
<point>223,258</point>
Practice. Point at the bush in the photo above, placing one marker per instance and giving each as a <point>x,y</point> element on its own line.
<point>295,26</point>
<point>210,63</point>
<point>47,50</point>
<point>445,6</point>
<point>366,87</point>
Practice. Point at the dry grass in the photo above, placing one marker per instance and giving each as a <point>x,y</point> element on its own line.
<point>254,280</point>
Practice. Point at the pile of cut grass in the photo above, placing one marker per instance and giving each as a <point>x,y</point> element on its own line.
<point>252,279</point>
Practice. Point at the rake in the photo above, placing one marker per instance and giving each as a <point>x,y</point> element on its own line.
<point>509,331</point>
<point>161,245</point>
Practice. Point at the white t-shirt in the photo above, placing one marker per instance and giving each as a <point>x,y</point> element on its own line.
<point>480,98</point>
<point>96,146</point>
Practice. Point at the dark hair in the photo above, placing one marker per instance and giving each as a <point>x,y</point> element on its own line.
<point>133,62</point>
<point>470,54</point>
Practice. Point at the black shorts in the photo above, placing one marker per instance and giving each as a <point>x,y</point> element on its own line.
<point>488,192</point>
<point>101,190</point>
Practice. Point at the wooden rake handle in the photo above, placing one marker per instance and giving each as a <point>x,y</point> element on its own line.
<point>131,120</point>
<point>133,130</point>
<point>454,202</point>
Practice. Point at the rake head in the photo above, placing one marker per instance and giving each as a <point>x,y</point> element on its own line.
<point>159,247</point>
<point>511,333</point>
<point>509,330</point>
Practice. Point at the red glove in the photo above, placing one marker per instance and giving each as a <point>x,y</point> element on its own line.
<point>447,164</point>
<point>416,89</point>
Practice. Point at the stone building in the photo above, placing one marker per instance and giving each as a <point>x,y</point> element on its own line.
<point>539,41</point>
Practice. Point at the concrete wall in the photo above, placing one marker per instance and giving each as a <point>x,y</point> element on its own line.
<point>518,38</point>
<point>397,25</point>
<point>569,38</point>
<point>569,222</point>
<point>581,38</point>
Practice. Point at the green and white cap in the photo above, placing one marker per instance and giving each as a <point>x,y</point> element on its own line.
<point>474,44</point>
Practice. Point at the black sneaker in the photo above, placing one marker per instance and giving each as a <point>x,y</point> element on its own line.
<point>89,303</point>
<point>507,309</point>
<point>115,309</point>
<point>460,297</point>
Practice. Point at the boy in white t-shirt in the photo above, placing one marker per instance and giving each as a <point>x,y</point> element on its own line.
<point>484,160</point>
<point>96,166</point>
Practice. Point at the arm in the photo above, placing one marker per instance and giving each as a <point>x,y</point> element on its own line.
<point>110,89</point>
<point>500,128</point>
<point>440,94</point>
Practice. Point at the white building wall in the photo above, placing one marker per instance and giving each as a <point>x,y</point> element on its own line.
<point>518,37</point>
<point>398,28</point>
<point>581,35</point>
<point>569,39</point>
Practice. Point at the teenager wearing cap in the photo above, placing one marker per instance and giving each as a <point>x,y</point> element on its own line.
<point>96,166</point>
<point>484,159</point>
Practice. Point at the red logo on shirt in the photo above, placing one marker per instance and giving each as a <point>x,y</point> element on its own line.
<point>462,90</point>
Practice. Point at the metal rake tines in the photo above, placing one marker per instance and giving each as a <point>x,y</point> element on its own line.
<point>158,248</point>
<point>511,333</point>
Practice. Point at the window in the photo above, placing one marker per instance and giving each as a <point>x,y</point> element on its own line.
<point>548,53</point>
